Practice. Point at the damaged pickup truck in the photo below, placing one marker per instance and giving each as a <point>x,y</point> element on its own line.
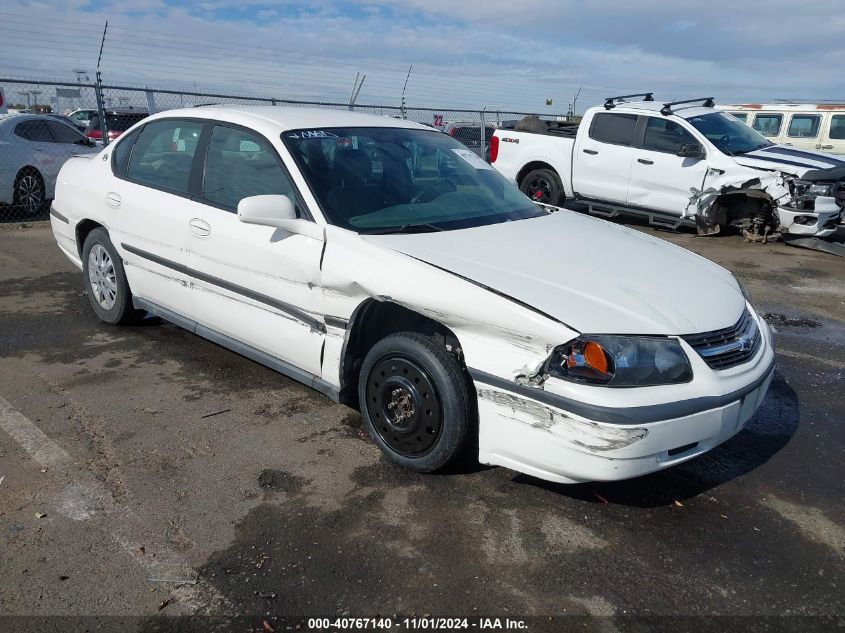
<point>387,266</point>
<point>679,163</point>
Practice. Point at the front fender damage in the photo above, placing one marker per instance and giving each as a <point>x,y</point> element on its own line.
<point>750,205</point>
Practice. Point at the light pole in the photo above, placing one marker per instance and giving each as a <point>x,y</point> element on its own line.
<point>35,94</point>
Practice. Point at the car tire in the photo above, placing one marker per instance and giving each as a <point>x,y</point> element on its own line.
<point>543,185</point>
<point>105,281</point>
<point>416,401</point>
<point>30,194</point>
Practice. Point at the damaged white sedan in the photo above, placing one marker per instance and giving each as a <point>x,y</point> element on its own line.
<point>384,264</point>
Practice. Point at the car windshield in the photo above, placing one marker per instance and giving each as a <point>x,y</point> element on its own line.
<point>390,180</point>
<point>728,134</point>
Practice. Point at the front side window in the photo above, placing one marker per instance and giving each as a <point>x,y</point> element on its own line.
<point>663,135</point>
<point>34,130</point>
<point>617,129</point>
<point>728,134</point>
<point>65,134</point>
<point>804,125</point>
<point>240,164</point>
<point>837,127</point>
<point>768,124</point>
<point>742,116</point>
<point>163,154</point>
<point>386,180</point>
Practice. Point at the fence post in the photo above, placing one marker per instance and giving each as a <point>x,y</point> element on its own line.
<point>483,134</point>
<point>101,109</point>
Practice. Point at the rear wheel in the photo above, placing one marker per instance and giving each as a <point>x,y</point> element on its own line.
<point>415,401</point>
<point>30,193</point>
<point>543,185</point>
<point>105,280</point>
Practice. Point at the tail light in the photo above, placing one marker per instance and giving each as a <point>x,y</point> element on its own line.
<point>494,149</point>
<point>113,134</point>
<point>453,131</point>
<point>95,134</point>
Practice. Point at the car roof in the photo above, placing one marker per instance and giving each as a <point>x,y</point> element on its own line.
<point>283,118</point>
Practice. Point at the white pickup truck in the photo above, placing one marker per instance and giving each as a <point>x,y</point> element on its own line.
<point>674,163</point>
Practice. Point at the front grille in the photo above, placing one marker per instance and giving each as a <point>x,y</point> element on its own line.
<point>730,346</point>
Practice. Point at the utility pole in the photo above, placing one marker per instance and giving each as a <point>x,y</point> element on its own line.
<point>101,109</point>
<point>410,68</point>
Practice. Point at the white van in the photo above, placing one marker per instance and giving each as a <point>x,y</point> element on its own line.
<point>4,109</point>
<point>804,126</point>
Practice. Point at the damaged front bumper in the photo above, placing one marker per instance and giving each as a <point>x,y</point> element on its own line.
<point>542,433</point>
<point>821,221</point>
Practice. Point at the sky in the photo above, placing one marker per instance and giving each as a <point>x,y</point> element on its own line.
<point>465,53</point>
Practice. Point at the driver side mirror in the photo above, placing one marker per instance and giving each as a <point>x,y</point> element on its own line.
<point>277,211</point>
<point>691,150</point>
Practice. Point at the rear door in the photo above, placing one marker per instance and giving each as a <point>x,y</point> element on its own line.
<point>833,140</point>
<point>804,130</point>
<point>256,284</point>
<point>148,205</point>
<point>602,160</point>
<point>660,179</point>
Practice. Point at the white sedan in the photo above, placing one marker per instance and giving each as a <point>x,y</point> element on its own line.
<point>384,264</point>
<point>33,148</point>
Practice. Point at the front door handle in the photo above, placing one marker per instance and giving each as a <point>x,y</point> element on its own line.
<point>592,152</point>
<point>113,199</point>
<point>645,161</point>
<point>200,228</point>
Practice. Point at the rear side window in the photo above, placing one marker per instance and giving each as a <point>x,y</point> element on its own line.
<point>837,127</point>
<point>240,164</point>
<point>34,130</point>
<point>163,155</point>
<point>804,125</point>
<point>768,124</point>
<point>122,122</point>
<point>742,116</point>
<point>64,133</point>
<point>120,153</point>
<point>617,129</point>
<point>663,135</point>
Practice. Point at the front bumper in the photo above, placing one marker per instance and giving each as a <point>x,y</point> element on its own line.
<point>820,222</point>
<point>540,433</point>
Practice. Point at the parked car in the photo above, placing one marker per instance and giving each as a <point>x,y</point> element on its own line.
<point>675,163</point>
<point>384,264</point>
<point>82,117</point>
<point>68,120</point>
<point>33,148</point>
<point>469,133</point>
<point>4,109</point>
<point>814,126</point>
<point>118,120</point>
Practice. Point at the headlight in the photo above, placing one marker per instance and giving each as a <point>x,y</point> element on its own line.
<point>621,361</point>
<point>821,190</point>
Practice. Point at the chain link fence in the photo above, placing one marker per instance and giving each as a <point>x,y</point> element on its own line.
<point>66,119</point>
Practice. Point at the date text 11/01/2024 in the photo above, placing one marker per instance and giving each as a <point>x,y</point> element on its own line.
<point>423,623</point>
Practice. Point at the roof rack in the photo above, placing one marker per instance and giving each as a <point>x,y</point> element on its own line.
<point>666,110</point>
<point>609,102</point>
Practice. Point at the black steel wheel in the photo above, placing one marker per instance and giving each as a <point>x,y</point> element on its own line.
<point>415,401</point>
<point>543,185</point>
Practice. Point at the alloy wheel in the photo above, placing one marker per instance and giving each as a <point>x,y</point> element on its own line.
<point>101,277</point>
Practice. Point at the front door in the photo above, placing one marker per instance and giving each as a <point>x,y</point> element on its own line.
<point>660,179</point>
<point>256,284</point>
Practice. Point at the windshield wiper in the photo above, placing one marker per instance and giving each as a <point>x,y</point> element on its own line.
<point>406,228</point>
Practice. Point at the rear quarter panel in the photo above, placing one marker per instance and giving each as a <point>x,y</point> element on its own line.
<point>78,188</point>
<point>519,149</point>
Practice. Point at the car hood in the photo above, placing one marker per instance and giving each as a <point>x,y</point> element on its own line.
<point>789,160</point>
<point>592,275</point>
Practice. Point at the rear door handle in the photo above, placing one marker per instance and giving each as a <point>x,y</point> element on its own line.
<point>113,199</point>
<point>645,161</point>
<point>590,151</point>
<point>199,227</point>
<point>827,147</point>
